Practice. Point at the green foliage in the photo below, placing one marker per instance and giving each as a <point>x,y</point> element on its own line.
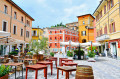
<point>37,46</point>
<point>77,52</point>
<point>4,70</point>
<point>59,25</point>
<point>29,53</point>
<point>91,54</point>
<point>93,48</point>
<point>13,53</point>
<point>52,54</point>
<point>69,54</point>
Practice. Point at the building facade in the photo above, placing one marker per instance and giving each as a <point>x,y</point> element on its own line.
<point>17,22</point>
<point>107,16</point>
<point>61,34</point>
<point>37,34</point>
<point>86,29</point>
<point>73,26</point>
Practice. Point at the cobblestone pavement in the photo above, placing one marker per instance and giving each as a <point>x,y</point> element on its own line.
<point>103,68</point>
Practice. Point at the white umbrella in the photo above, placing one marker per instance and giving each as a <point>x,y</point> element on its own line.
<point>89,43</point>
<point>2,33</point>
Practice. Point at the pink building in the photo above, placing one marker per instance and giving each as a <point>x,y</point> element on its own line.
<point>61,34</point>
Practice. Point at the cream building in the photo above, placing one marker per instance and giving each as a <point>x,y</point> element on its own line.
<point>107,17</point>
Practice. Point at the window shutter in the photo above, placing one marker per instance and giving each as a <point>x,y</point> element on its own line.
<point>110,29</point>
<point>112,3</point>
<point>106,29</point>
<point>114,27</point>
<point>109,5</point>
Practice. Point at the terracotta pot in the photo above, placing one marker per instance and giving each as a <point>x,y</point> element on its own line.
<point>4,77</point>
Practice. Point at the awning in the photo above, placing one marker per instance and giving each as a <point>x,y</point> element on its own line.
<point>2,33</point>
<point>10,41</point>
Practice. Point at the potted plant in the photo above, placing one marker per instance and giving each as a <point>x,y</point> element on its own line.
<point>91,56</point>
<point>4,71</point>
<point>52,54</point>
<point>81,53</point>
<point>70,54</point>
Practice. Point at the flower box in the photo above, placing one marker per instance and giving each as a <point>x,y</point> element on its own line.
<point>4,77</point>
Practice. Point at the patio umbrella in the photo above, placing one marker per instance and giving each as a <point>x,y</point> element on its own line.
<point>2,33</point>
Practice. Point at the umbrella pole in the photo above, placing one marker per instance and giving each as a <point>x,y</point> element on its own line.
<point>91,46</point>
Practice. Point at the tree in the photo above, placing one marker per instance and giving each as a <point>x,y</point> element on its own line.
<point>37,46</point>
<point>59,25</point>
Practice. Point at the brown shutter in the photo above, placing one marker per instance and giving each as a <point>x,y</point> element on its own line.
<point>114,27</point>
<point>106,29</point>
<point>110,28</point>
<point>112,3</point>
<point>109,5</point>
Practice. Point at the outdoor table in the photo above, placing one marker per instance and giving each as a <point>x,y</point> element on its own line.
<point>69,64</point>
<point>66,69</point>
<point>46,63</point>
<point>66,60</point>
<point>36,68</point>
<point>60,61</point>
<point>27,59</point>
<point>53,60</point>
<point>15,64</point>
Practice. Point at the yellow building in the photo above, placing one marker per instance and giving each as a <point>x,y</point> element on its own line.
<point>107,16</point>
<point>37,34</point>
<point>86,29</point>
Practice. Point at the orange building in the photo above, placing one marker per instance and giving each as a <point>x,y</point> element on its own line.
<point>61,34</point>
<point>17,22</point>
<point>86,29</point>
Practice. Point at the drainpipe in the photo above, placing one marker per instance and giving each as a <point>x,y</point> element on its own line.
<point>119,7</point>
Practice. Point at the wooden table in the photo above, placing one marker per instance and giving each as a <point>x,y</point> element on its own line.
<point>50,59</point>
<point>60,61</point>
<point>66,69</point>
<point>69,64</point>
<point>66,60</point>
<point>27,59</point>
<point>36,68</point>
<point>46,63</point>
<point>15,64</point>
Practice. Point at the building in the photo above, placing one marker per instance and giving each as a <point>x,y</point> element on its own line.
<point>61,34</point>
<point>73,26</point>
<point>45,32</point>
<point>37,34</point>
<point>86,29</point>
<point>16,21</point>
<point>107,16</point>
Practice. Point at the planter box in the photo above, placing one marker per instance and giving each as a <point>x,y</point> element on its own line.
<point>4,77</point>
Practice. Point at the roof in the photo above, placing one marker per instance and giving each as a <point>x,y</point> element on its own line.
<point>98,6</point>
<point>72,23</point>
<point>36,28</point>
<point>86,15</point>
<point>11,2</point>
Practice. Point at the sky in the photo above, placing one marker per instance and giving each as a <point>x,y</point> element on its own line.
<point>51,12</point>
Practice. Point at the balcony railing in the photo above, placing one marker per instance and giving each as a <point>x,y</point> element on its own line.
<point>103,37</point>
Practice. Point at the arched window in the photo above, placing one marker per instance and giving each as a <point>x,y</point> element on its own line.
<point>84,41</point>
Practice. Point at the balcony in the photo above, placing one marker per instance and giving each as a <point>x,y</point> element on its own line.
<point>103,37</point>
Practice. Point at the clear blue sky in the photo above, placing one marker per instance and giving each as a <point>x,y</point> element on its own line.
<point>50,12</point>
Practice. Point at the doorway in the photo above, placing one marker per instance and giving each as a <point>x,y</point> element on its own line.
<point>114,50</point>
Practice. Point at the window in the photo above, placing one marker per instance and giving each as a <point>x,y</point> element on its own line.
<point>34,33</point>
<point>112,4</point>
<point>112,27</point>
<point>5,9</point>
<point>21,32</point>
<point>73,28</point>
<point>50,38</point>
<point>109,5</point>
<point>83,33</point>
<point>28,23</point>
<point>55,44</point>
<point>83,22</point>
<point>15,15</point>
<point>55,38</point>
<point>60,31</point>
<point>105,30</point>
<point>100,13</point>
<point>14,29</point>
<point>50,32</point>
<point>50,45</point>
<point>105,9</point>
<point>27,34</point>
<point>4,26</point>
<point>22,19</point>
<point>60,37</point>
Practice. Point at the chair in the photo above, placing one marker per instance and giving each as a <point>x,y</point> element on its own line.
<point>15,59</point>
